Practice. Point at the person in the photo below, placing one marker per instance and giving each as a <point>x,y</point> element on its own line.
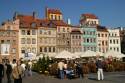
<point>79,70</point>
<point>29,68</point>
<point>99,65</point>
<point>8,71</point>
<point>65,69</point>
<point>1,71</point>
<point>24,68</point>
<point>14,63</point>
<point>85,70</point>
<point>17,73</point>
<point>60,67</point>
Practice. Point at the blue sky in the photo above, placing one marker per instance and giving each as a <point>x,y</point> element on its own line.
<point>110,12</point>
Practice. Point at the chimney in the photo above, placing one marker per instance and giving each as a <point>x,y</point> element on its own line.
<point>34,14</point>
<point>69,21</point>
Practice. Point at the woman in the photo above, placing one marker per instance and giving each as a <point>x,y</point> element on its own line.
<point>17,73</point>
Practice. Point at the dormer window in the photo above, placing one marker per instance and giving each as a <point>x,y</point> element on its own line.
<point>8,28</point>
<point>33,25</point>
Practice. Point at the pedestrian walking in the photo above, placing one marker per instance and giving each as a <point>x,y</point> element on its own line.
<point>29,68</point>
<point>60,68</point>
<point>23,65</point>
<point>8,72</point>
<point>99,65</point>
<point>17,73</point>
<point>1,71</point>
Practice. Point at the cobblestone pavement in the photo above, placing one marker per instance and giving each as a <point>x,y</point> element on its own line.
<point>111,77</point>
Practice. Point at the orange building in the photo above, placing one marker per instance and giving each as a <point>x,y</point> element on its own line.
<point>9,40</point>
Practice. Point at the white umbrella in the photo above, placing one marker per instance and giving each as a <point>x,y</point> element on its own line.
<point>114,54</point>
<point>89,53</point>
<point>64,54</point>
<point>99,53</point>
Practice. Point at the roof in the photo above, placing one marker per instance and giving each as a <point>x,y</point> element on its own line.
<point>102,28</point>
<point>91,16</point>
<point>27,20</point>
<point>54,11</point>
<point>76,31</point>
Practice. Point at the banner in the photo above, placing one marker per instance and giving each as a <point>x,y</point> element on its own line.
<point>5,49</point>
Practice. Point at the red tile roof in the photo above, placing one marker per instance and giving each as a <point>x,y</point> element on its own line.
<point>54,11</point>
<point>27,20</point>
<point>91,16</point>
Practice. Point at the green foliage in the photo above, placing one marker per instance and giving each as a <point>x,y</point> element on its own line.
<point>42,65</point>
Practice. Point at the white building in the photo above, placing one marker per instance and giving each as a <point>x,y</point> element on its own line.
<point>114,40</point>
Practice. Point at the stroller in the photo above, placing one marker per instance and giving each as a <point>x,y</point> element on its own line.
<point>70,73</point>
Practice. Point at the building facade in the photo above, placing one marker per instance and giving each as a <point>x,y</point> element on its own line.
<point>102,39</point>
<point>27,35</point>
<point>88,23</point>
<point>114,40</point>
<point>46,40</point>
<point>9,39</point>
<point>76,40</point>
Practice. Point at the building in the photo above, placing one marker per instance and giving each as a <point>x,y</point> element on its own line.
<point>9,39</point>
<point>122,37</point>
<point>28,25</point>
<point>63,40</point>
<point>88,23</point>
<point>47,39</point>
<point>76,40</point>
<point>114,40</point>
<point>102,39</point>
<point>89,19</point>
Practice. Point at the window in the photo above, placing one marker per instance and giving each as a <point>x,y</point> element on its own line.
<point>28,41</point>
<point>63,29</point>
<point>8,28</point>
<point>106,43</point>
<point>102,35</point>
<point>73,36</point>
<point>51,16</point>
<point>98,35</point>
<point>33,41</point>
<point>23,32</point>
<point>49,32</point>
<point>8,41</point>
<point>105,35</point>
<point>113,41</point>
<point>103,43</point>
<point>45,49</point>
<point>2,41</point>
<point>91,40</point>
<point>117,49</point>
<point>54,50</point>
<point>110,41</point>
<point>33,25</point>
<point>34,50</point>
<point>117,41</point>
<point>33,32</point>
<point>87,40</point>
<point>49,49</point>
<point>28,32</point>
<point>41,49</point>
<point>110,48</point>
<point>14,50</point>
<point>22,40</point>
<point>59,17</point>
<point>41,31</point>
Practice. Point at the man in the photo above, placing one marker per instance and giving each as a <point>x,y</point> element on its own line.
<point>99,65</point>
<point>17,73</point>
<point>1,71</point>
<point>8,72</point>
<point>60,67</point>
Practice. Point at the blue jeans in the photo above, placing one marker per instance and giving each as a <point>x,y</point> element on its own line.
<point>61,72</point>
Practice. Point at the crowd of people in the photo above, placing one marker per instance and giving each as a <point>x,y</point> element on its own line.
<point>68,69</point>
<point>15,71</point>
<point>81,70</point>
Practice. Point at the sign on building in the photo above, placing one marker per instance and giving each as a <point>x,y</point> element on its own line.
<point>5,49</point>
